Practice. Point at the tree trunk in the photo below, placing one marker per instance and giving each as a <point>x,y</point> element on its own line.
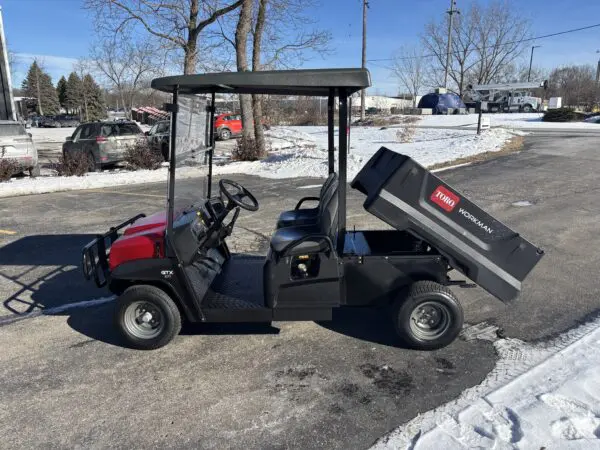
<point>189,59</point>
<point>39,96</point>
<point>241,47</point>
<point>257,99</point>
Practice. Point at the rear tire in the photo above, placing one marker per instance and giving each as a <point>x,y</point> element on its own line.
<point>34,172</point>
<point>147,318</point>
<point>428,316</point>
<point>164,149</point>
<point>93,166</point>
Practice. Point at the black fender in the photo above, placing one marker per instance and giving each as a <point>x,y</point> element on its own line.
<point>163,273</point>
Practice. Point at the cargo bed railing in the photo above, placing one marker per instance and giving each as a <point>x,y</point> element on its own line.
<point>95,254</point>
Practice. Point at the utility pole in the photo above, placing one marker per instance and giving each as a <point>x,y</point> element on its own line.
<point>451,13</point>
<point>598,70</point>
<point>531,61</point>
<point>364,57</point>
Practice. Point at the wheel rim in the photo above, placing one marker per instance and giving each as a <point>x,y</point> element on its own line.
<point>430,320</point>
<point>225,134</point>
<point>144,320</point>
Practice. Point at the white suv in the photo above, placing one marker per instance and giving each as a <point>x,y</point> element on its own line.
<point>17,144</point>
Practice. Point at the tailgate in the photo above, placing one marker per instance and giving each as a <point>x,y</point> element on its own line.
<point>408,197</point>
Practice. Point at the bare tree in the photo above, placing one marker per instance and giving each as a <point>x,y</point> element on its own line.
<point>288,33</point>
<point>486,40</point>
<point>257,37</point>
<point>409,68</point>
<point>242,31</point>
<point>82,68</point>
<point>500,33</point>
<point>575,84</point>
<point>125,65</point>
<point>178,23</point>
<point>463,49</point>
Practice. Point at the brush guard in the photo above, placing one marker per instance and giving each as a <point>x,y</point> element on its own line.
<point>94,261</point>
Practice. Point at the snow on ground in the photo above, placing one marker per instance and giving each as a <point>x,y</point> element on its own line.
<point>294,152</point>
<point>507,120</point>
<point>302,151</point>
<point>57,135</point>
<point>538,396</point>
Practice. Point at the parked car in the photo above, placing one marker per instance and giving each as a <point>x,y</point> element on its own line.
<point>17,144</point>
<point>103,143</point>
<point>229,125</point>
<point>158,137</point>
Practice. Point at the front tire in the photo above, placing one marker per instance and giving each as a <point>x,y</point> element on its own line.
<point>527,109</point>
<point>428,316</point>
<point>147,318</point>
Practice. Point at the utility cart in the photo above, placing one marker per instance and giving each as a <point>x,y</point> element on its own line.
<point>175,265</point>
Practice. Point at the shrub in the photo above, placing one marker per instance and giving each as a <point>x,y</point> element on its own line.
<point>406,134</point>
<point>73,164</point>
<point>142,156</point>
<point>562,115</point>
<point>246,149</point>
<point>8,168</point>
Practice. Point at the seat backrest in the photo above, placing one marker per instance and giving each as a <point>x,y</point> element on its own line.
<point>328,210</point>
<point>330,179</point>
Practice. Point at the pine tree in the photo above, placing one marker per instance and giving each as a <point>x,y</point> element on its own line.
<point>61,89</point>
<point>93,98</point>
<point>38,84</point>
<point>73,93</point>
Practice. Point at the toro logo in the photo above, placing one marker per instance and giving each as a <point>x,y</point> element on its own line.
<point>444,198</point>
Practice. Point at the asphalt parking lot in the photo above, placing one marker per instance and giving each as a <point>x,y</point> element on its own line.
<point>66,381</point>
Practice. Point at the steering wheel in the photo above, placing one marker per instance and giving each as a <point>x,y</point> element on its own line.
<point>236,193</point>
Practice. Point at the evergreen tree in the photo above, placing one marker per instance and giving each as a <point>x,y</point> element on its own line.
<point>93,98</point>
<point>73,93</point>
<point>61,89</point>
<point>38,85</point>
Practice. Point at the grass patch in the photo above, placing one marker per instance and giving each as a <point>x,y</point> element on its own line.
<point>513,145</point>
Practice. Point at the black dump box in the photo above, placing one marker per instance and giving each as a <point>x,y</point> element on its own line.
<point>408,197</point>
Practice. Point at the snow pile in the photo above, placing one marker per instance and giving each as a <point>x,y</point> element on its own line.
<point>45,184</point>
<point>538,396</point>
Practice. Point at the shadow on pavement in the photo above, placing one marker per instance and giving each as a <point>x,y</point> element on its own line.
<point>98,323</point>
<point>366,324</point>
<point>43,272</point>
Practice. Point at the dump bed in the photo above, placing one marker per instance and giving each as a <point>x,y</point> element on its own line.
<point>408,197</point>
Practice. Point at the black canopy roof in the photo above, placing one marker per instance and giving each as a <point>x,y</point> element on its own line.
<point>313,82</point>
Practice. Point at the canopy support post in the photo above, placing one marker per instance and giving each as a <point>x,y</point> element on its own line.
<point>342,156</point>
<point>212,142</point>
<point>172,162</point>
<point>330,138</point>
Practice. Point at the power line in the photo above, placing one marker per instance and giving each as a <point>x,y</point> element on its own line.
<point>492,46</point>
